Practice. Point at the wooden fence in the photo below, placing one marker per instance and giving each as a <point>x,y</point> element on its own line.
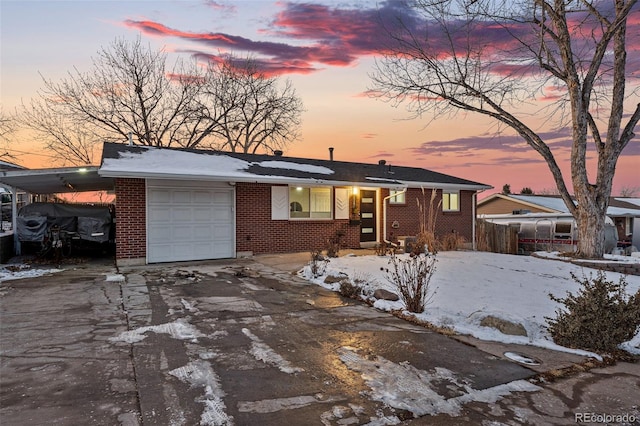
<point>496,238</point>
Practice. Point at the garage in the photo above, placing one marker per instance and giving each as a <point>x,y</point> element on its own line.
<point>189,220</point>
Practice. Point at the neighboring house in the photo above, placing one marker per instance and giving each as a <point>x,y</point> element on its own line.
<point>178,205</point>
<point>624,212</point>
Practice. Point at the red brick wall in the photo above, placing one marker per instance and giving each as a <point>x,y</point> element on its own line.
<point>131,240</point>
<point>408,215</point>
<point>256,232</point>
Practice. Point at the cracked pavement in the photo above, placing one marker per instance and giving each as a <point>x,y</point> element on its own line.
<point>245,342</point>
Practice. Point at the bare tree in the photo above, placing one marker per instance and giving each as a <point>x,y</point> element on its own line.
<point>128,90</point>
<point>629,191</point>
<point>71,142</point>
<point>248,110</point>
<point>491,57</point>
<point>7,126</point>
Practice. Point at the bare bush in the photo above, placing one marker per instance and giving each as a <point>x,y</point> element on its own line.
<point>383,249</point>
<point>451,241</point>
<point>318,263</point>
<point>334,243</point>
<point>350,289</point>
<point>412,275</point>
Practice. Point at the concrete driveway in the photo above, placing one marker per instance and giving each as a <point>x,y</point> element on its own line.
<point>248,343</point>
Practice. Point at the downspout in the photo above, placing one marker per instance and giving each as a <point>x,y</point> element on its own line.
<point>384,215</point>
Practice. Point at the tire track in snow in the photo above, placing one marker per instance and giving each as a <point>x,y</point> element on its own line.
<point>200,374</point>
<point>263,352</point>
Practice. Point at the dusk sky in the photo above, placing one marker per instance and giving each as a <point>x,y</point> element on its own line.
<point>327,50</point>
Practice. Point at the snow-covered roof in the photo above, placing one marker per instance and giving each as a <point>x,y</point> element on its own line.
<point>553,203</point>
<point>634,201</point>
<point>625,207</point>
<point>128,161</point>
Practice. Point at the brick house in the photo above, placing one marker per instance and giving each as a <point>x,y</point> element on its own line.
<point>177,205</point>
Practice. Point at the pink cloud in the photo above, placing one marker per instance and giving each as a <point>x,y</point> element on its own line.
<point>338,36</point>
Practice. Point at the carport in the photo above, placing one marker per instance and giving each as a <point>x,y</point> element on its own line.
<point>63,180</point>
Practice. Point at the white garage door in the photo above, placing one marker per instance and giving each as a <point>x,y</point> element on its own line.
<point>189,221</point>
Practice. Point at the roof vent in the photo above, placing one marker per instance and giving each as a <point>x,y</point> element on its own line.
<point>382,162</point>
<point>278,153</point>
<point>331,153</point>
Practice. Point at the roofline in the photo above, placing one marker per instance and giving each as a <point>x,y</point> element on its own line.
<point>35,172</point>
<point>525,203</point>
<point>291,181</point>
<point>525,215</point>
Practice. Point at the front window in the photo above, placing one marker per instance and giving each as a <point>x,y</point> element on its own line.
<point>312,203</point>
<point>397,197</point>
<point>450,201</point>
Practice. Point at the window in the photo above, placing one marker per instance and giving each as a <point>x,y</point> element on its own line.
<point>312,203</point>
<point>397,197</point>
<point>450,201</point>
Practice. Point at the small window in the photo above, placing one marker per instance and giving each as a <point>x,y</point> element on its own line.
<point>563,227</point>
<point>450,201</point>
<point>310,203</point>
<point>397,197</point>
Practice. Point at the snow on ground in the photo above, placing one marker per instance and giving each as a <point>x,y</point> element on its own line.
<point>262,352</point>
<point>469,286</point>
<point>405,387</point>
<point>200,374</point>
<point>179,329</point>
<point>19,271</point>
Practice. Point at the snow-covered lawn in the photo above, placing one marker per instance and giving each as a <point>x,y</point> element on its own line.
<point>469,286</point>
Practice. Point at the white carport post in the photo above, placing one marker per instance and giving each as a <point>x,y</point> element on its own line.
<point>17,247</point>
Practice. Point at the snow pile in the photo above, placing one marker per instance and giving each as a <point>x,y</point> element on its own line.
<point>19,271</point>
<point>470,286</point>
<point>116,278</point>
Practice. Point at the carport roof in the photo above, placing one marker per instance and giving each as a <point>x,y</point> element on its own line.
<point>57,181</point>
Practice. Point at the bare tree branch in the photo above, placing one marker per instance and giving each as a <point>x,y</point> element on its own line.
<point>493,57</point>
<point>129,90</point>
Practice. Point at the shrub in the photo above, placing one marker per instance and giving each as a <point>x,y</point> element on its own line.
<point>349,289</point>
<point>383,248</point>
<point>451,241</point>
<point>318,264</point>
<point>334,243</point>
<point>412,276</point>
<point>425,241</point>
<point>598,318</point>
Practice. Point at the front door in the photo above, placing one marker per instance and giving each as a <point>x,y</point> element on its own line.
<point>368,216</point>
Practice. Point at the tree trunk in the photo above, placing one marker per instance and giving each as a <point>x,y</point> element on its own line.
<point>591,224</point>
